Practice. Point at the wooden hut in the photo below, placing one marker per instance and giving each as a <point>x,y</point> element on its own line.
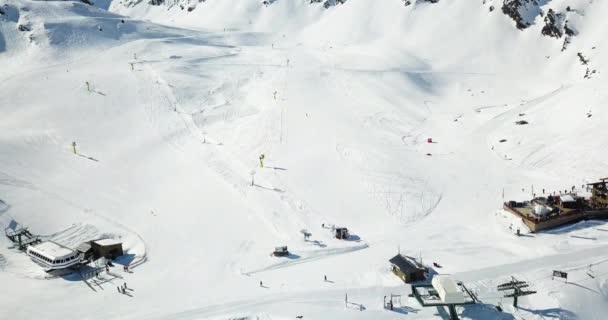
<point>407,269</point>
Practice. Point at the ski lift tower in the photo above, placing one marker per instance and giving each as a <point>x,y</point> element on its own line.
<point>306,234</point>
<point>517,287</point>
<point>22,237</point>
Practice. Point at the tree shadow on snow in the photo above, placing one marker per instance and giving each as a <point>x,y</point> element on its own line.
<point>354,238</point>
<point>270,189</point>
<point>576,227</point>
<point>484,311</point>
<point>583,287</point>
<point>2,43</point>
<point>319,243</point>
<point>292,256</point>
<point>554,313</point>
<point>405,310</point>
<point>125,260</point>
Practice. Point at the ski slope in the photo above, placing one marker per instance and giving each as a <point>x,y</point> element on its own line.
<point>170,111</point>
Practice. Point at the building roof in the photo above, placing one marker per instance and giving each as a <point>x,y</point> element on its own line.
<point>567,198</point>
<point>53,249</point>
<point>405,263</point>
<point>84,247</point>
<point>446,283</point>
<point>107,242</point>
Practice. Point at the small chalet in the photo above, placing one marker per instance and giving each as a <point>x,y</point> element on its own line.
<point>281,251</point>
<point>342,233</point>
<point>407,269</point>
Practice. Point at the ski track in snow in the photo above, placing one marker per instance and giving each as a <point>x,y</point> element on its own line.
<point>308,257</point>
<point>379,99</point>
<point>182,131</point>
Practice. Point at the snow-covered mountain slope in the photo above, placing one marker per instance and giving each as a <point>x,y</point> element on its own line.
<point>171,109</point>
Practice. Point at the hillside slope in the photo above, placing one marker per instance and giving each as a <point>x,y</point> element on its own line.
<point>171,109</point>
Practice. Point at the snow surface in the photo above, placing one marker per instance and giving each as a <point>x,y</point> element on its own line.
<point>171,109</point>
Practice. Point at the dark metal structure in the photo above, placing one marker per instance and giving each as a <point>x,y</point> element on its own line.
<point>599,194</point>
<point>427,296</point>
<point>22,237</point>
<point>517,287</point>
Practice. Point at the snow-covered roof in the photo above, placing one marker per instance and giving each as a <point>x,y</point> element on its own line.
<point>107,242</point>
<point>446,283</point>
<point>52,249</point>
<point>567,198</point>
<point>84,247</point>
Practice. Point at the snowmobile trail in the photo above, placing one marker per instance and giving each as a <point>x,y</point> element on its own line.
<point>308,257</point>
<point>566,260</point>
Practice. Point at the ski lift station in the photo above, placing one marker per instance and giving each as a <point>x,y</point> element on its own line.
<point>448,290</point>
<point>52,255</point>
<point>443,291</point>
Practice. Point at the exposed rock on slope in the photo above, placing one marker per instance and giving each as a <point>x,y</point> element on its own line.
<point>554,24</point>
<point>328,3</point>
<point>409,2</point>
<point>523,12</point>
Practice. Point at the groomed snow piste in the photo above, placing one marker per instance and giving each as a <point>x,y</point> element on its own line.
<point>171,108</point>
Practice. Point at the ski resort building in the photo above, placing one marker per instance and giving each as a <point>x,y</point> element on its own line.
<point>555,210</point>
<point>85,250</point>
<point>106,248</point>
<point>52,255</point>
<point>443,292</point>
<point>342,233</point>
<point>599,190</point>
<point>449,292</point>
<point>407,268</point>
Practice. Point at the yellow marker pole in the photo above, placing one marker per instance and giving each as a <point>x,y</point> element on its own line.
<point>74,147</point>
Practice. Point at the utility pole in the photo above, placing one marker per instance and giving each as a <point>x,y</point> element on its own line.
<point>532,190</point>
<point>517,287</point>
<point>252,173</point>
